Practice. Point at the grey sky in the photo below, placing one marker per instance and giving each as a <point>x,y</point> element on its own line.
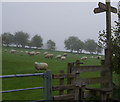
<point>55,21</point>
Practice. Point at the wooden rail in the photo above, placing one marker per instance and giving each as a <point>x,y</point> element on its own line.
<point>60,76</point>
<point>64,97</point>
<point>63,87</point>
<point>91,80</point>
<point>90,68</point>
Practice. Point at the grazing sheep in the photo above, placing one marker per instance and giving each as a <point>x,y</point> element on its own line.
<point>91,56</point>
<point>41,66</point>
<point>32,53</point>
<point>58,56</point>
<point>49,56</point>
<point>36,53</point>
<point>45,53</point>
<point>84,58</point>
<point>63,58</point>
<point>98,57</point>
<point>26,52</point>
<point>21,51</point>
<point>12,51</point>
<point>64,54</point>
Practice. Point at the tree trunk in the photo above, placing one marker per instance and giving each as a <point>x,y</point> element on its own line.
<point>81,51</point>
<point>17,45</point>
<point>71,51</point>
<point>7,45</point>
<point>23,46</point>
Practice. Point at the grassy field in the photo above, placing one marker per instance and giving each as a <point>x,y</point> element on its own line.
<point>21,63</point>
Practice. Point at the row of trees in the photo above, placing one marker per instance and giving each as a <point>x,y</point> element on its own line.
<point>73,43</point>
<point>21,38</point>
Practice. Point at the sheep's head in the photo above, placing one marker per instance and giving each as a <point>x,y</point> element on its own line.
<point>36,63</point>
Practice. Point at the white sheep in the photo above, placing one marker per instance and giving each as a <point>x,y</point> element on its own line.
<point>45,53</point>
<point>91,56</point>
<point>58,56</point>
<point>49,56</point>
<point>32,53</point>
<point>98,57</point>
<point>13,51</point>
<point>26,52</point>
<point>64,54</point>
<point>37,53</point>
<point>84,58</point>
<point>41,66</point>
<point>63,58</point>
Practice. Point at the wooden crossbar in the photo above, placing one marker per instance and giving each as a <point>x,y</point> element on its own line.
<point>60,76</point>
<point>64,97</point>
<point>90,68</point>
<point>91,80</point>
<point>63,87</point>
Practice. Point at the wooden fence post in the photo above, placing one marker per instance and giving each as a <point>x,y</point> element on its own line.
<point>82,92</point>
<point>61,92</point>
<point>77,86</point>
<point>69,80</point>
<point>77,93</point>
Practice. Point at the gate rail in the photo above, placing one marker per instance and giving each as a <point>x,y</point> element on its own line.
<point>21,75</point>
<point>47,87</point>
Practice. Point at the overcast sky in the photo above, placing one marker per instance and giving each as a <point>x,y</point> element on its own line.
<point>54,20</point>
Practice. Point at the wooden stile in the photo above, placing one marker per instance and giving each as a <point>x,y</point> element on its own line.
<point>82,82</point>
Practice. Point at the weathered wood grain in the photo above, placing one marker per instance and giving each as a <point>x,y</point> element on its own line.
<point>92,80</point>
<point>90,68</point>
<point>58,76</point>
<point>63,87</point>
<point>64,97</point>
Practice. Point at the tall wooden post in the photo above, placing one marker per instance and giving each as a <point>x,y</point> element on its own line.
<point>108,29</point>
<point>108,53</point>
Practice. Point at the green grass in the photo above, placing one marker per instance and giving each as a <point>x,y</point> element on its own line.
<point>21,63</point>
